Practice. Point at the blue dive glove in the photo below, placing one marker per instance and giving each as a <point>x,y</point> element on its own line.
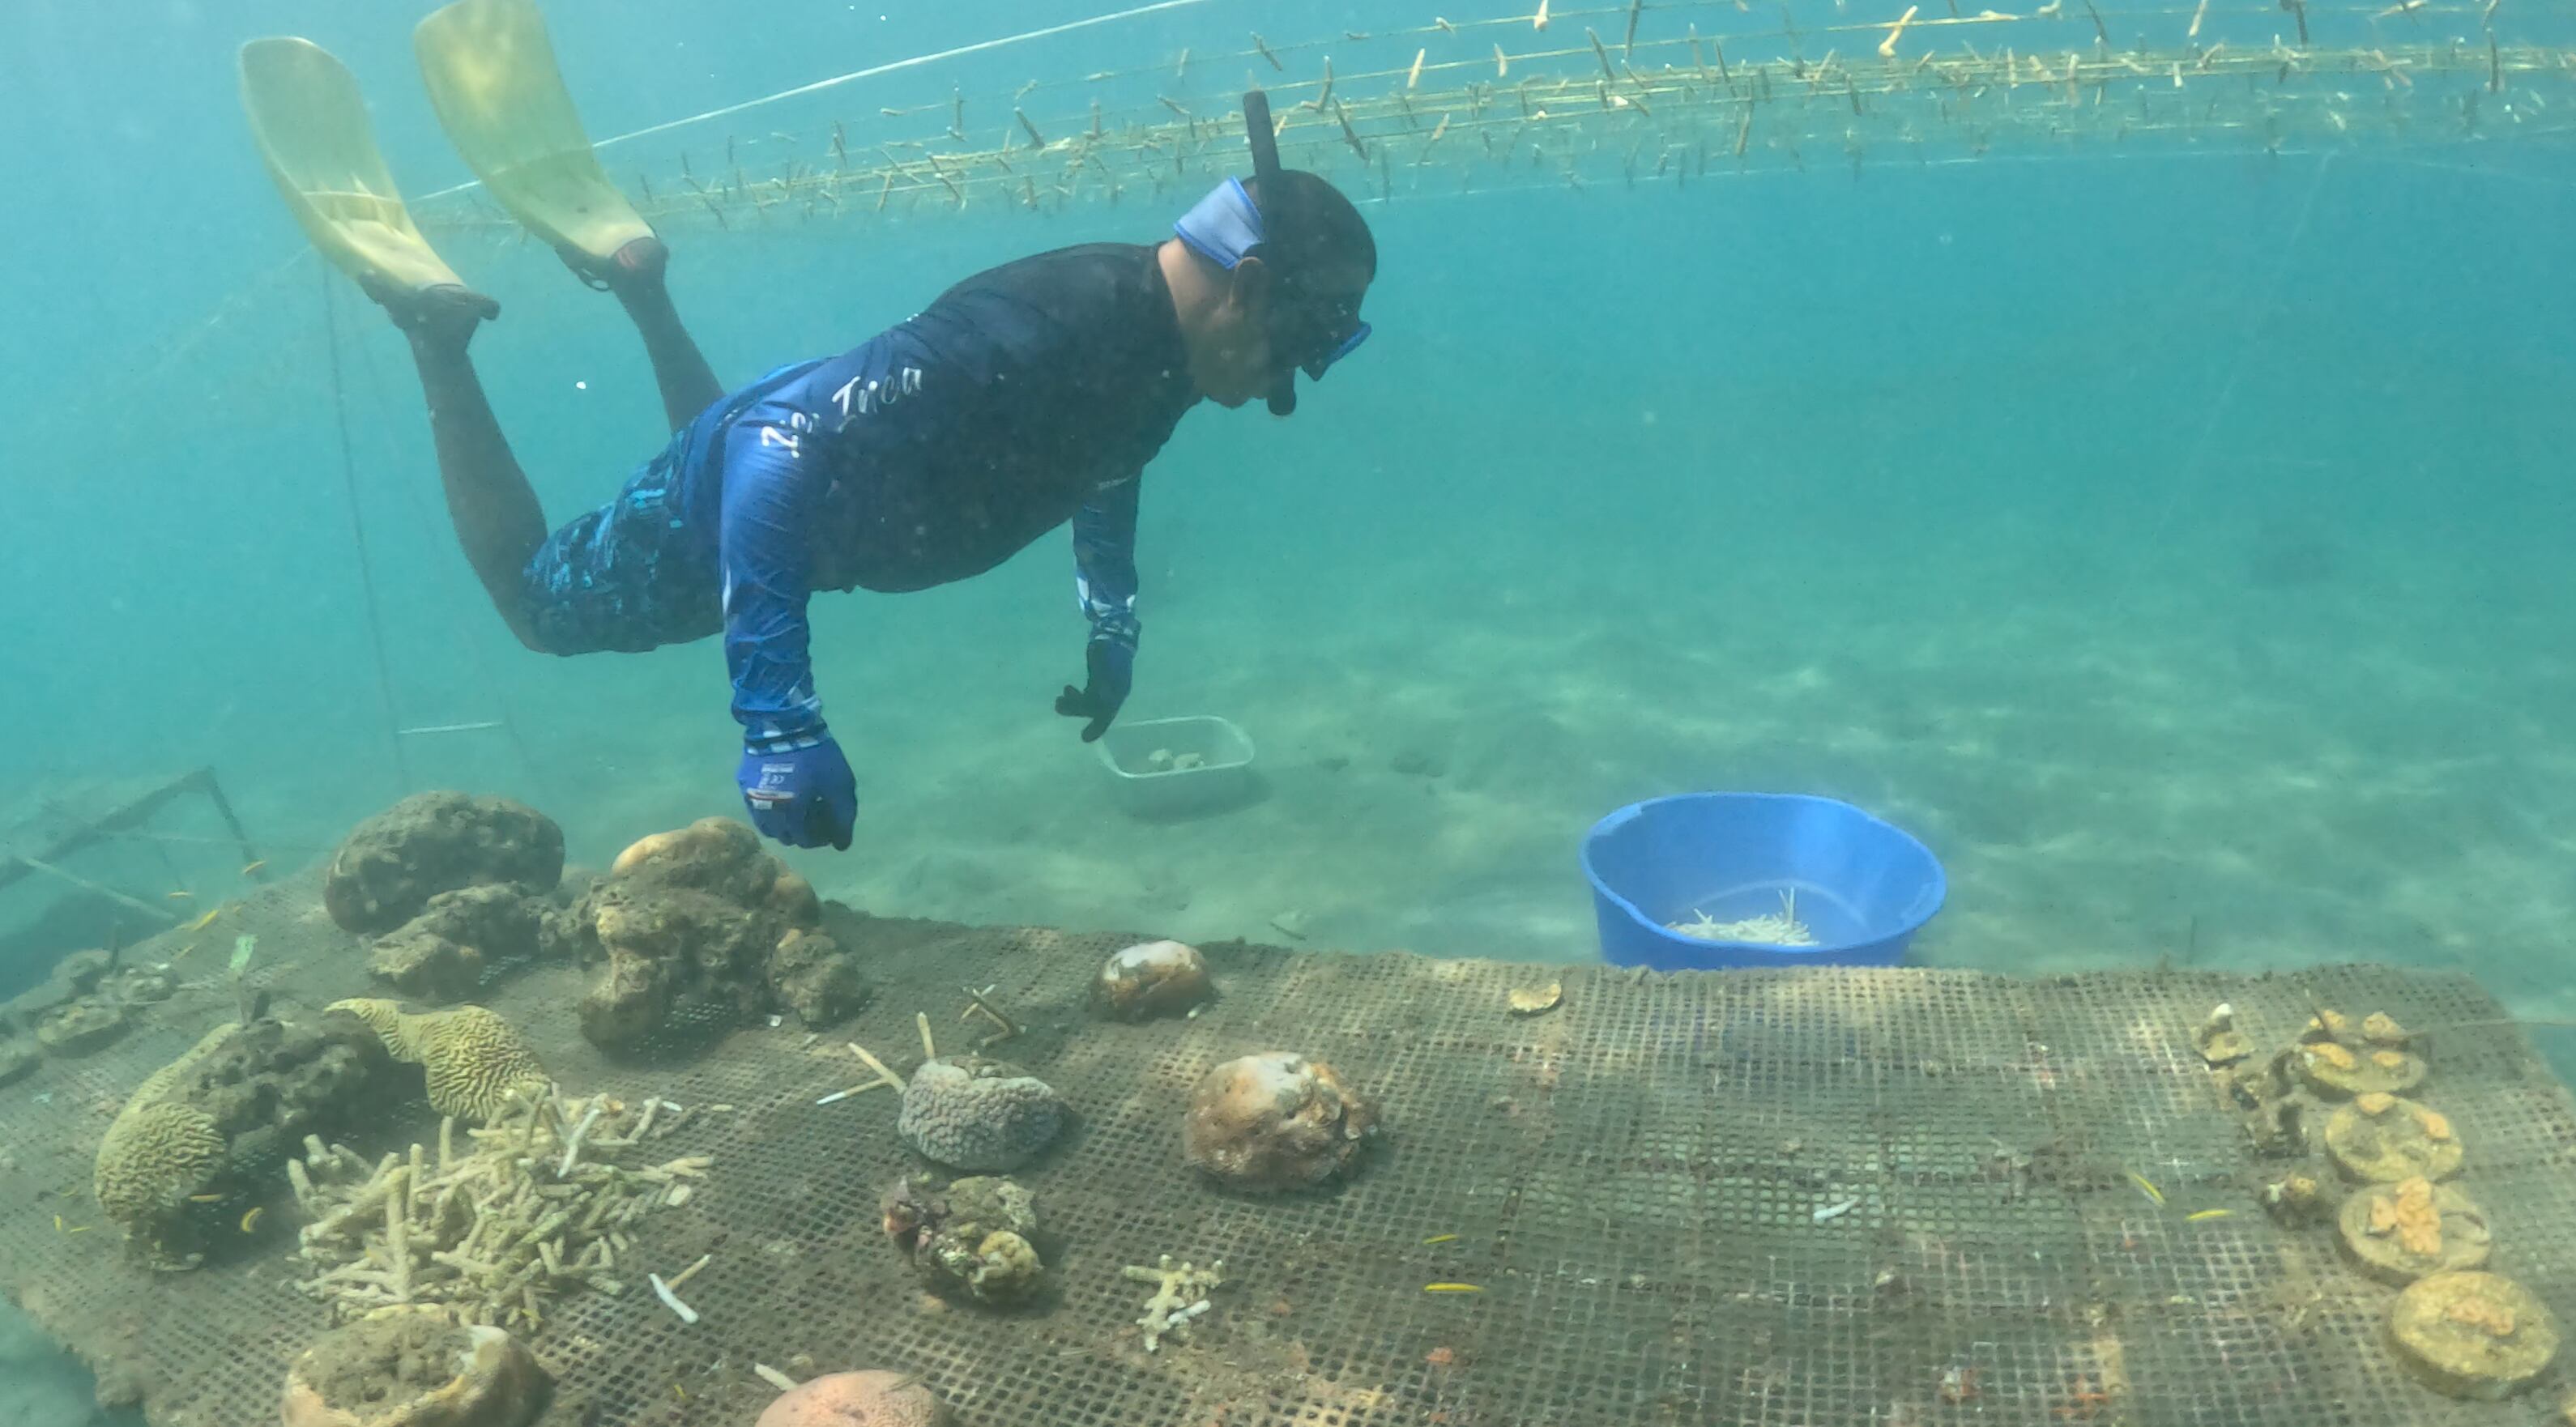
<point>1109,671</point>
<point>800,791</point>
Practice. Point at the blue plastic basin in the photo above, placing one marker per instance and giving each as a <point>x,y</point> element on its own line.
<point>1862,886</point>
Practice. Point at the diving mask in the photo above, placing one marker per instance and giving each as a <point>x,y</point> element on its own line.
<point>1309,330</point>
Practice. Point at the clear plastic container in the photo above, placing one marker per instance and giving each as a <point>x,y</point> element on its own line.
<point>1179,767</point>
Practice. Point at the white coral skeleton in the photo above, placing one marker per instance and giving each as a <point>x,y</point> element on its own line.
<point>539,1202</point>
<point>1180,1297</point>
<point>1781,928</point>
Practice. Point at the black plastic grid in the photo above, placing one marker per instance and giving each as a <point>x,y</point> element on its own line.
<point>1633,1181</point>
<point>2124,1079</point>
<point>1969,1249</point>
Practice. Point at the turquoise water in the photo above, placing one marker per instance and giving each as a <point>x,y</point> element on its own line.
<point>40,1385</point>
<point>2174,542</point>
<point>2171,541</point>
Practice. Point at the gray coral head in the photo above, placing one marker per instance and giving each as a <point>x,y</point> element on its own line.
<point>970,1113</point>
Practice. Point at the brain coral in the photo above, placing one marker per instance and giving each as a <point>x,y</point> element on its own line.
<point>154,1156</point>
<point>386,1020</point>
<point>970,1113</point>
<point>471,1057</point>
<point>210,1123</point>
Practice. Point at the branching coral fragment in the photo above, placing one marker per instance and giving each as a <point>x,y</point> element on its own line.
<point>537,1205</point>
<point>1180,1296</point>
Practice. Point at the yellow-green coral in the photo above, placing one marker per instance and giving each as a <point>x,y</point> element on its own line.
<point>156,1154</point>
<point>473,1059</point>
<point>386,1020</point>
<point>159,1151</point>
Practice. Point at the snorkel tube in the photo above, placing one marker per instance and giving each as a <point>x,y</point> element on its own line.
<point>1265,176</point>
<point>1308,328</point>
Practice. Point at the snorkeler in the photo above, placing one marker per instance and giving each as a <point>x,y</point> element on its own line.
<point>1023,397</point>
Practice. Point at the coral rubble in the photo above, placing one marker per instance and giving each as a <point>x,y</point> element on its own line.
<point>974,1236</point>
<point>443,954</point>
<point>1275,1121</point>
<point>700,923</point>
<point>528,1207</point>
<point>414,1366</point>
<point>389,866</point>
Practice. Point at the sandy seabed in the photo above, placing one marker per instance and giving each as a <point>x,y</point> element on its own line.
<point>2234,769</point>
<point>2203,759</point>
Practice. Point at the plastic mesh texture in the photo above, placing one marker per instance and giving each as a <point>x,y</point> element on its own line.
<point>1632,1180</point>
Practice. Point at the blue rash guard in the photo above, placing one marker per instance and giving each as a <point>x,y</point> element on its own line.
<point>1027,395</point>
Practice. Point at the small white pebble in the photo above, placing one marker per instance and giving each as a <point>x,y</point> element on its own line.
<point>776,1021</point>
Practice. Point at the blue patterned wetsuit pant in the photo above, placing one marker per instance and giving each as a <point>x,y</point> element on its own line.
<point>640,572</point>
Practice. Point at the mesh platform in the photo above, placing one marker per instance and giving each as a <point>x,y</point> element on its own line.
<point>1632,1180</point>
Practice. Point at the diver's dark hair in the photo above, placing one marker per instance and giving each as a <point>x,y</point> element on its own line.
<point>1312,225</point>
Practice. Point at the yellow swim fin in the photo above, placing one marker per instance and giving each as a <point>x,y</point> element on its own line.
<point>492,78</point>
<point>311,127</point>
